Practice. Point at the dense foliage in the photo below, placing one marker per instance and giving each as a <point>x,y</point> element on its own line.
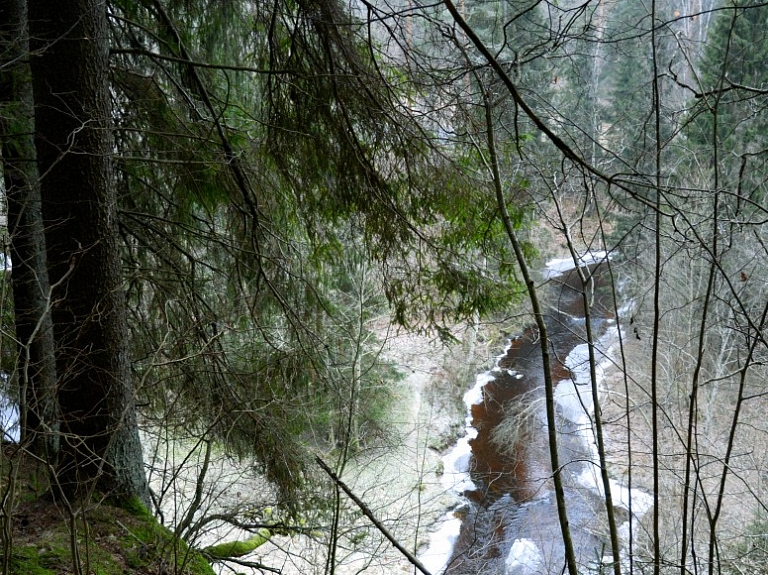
<point>268,186</point>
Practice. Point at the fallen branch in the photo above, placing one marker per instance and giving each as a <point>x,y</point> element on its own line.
<point>369,514</point>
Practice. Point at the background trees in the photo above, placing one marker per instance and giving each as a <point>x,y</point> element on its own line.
<point>35,363</point>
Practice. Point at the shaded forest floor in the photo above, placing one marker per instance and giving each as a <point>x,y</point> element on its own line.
<point>46,536</point>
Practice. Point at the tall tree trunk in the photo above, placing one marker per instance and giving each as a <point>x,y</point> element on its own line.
<point>34,333</point>
<point>100,443</point>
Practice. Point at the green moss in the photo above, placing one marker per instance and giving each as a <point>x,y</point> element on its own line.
<point>148,540</point>
<point>27,560</point>
<point>238,548</point>
<point>113,537</point>
<point>135,507</point>
<point>54,557</point>
<point>116,541</point>
<point>196,565</point>
<point>32,560</point>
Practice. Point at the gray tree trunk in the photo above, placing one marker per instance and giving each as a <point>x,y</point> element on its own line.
<point>100,443</point>
<point>36,367</point>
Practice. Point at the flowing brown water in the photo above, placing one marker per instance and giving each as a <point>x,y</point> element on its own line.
<point>513,500</point>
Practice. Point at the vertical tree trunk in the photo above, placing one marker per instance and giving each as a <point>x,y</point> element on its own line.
<point>100,444</point>
<point>34,333</point>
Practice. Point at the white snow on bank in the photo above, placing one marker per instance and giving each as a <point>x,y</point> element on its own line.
<point>558,267</point>
<point>574,397</point>
<point>524,557</point>
<point>456,463</point>
<point>474,396</point>
<point>456,478</point>
<point>9,419</point>
<point>641,502</point>
<point>441,543</point>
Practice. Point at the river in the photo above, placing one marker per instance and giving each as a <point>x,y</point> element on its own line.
<point>508,522</point>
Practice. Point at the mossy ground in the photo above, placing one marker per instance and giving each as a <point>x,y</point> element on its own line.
<point>102,539</point>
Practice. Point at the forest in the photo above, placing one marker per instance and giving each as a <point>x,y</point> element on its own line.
<point>257,254</point>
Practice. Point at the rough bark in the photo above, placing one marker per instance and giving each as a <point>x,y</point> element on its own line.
<point>36,364</point>
<point>99,444</point>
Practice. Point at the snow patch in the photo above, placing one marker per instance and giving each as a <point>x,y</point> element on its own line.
<point>641,502</point>
<point>456,478</point>
<point>574,398</point>
<point>9,419</point>
<point>441,543</point>
<point>456,463</point>
<point>574,395</point>
<point>474,396</point>
<point>524,557</point>
<point>558,267</point>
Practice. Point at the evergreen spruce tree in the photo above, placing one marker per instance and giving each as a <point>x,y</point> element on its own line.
<point>729,117</point>
<point>100,446</point>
